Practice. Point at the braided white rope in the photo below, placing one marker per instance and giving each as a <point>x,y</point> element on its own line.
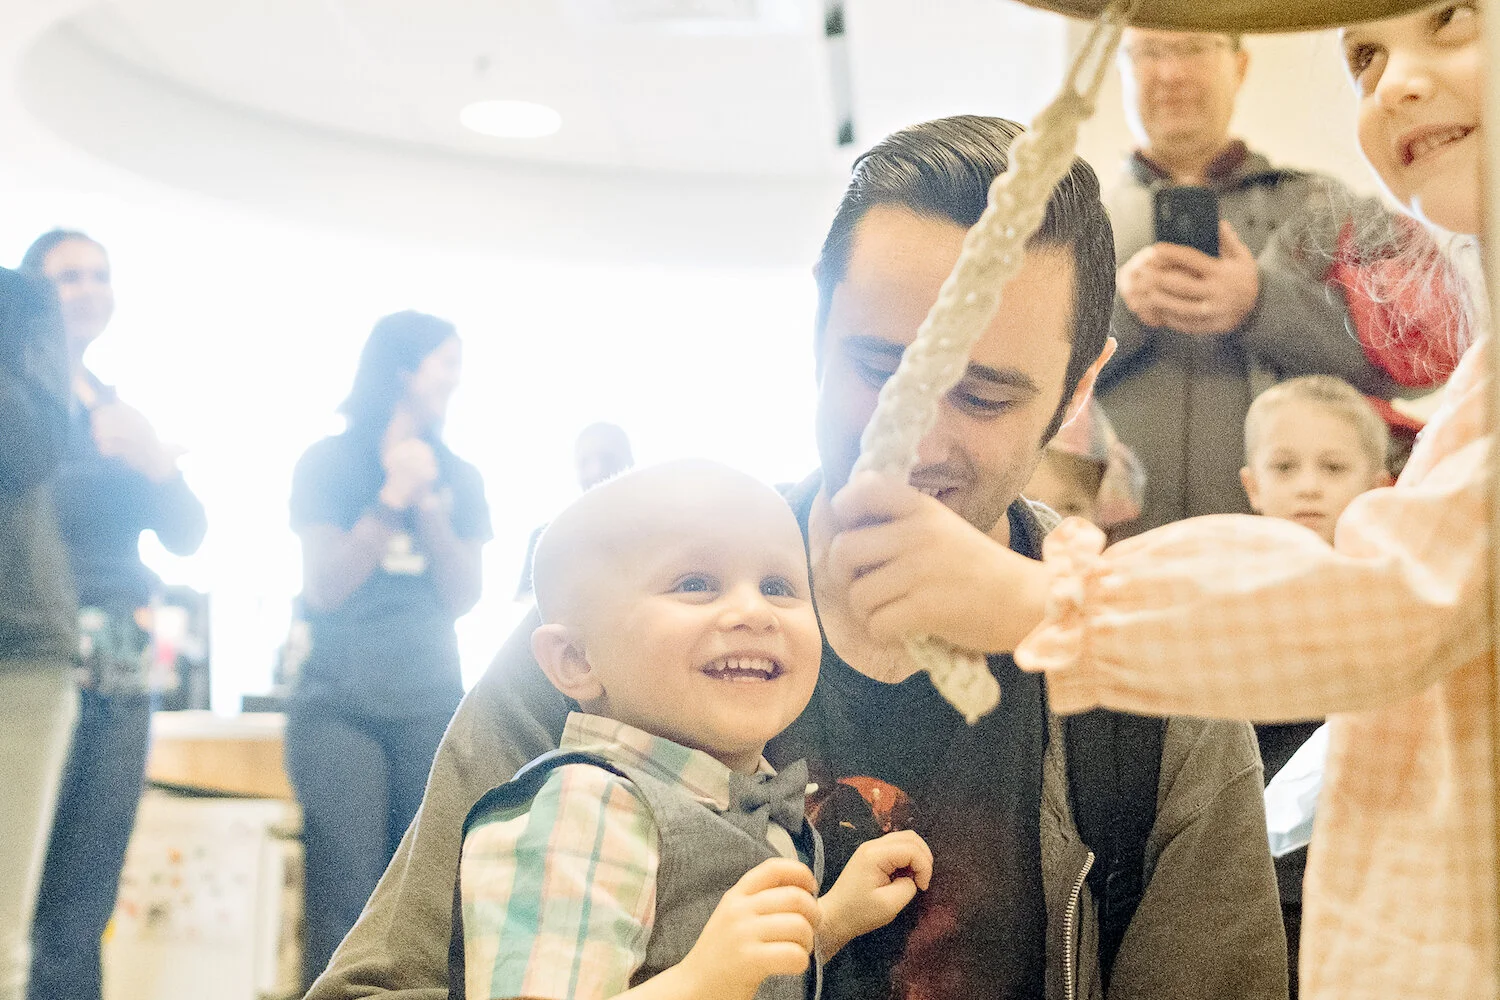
<point>935,361</point>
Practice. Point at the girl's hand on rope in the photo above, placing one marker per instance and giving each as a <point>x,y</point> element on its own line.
<point>911,567</point>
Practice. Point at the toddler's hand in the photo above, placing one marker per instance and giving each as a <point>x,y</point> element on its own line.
<point>762,927</point>
<point>877,883</point>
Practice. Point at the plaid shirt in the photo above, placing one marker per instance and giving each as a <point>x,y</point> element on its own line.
<point>1389,633</point>
<point>559,899</point>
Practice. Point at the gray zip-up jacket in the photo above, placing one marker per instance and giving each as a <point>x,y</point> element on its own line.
<point>38,617</point>
<point>1209,923</point>
<point>1179,400</point>
<point>1208,926</point>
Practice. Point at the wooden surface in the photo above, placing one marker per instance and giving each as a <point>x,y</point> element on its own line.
<point>218,755</point>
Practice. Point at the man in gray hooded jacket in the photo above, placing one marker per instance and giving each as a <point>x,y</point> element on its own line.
<point>1201,336</point>
<point>1010,911</point>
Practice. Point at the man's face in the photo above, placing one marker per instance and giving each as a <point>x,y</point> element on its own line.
<point>988,435</point>
<point>1180,87</point>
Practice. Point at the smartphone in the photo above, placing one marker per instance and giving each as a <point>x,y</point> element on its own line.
<point>1188,216</point>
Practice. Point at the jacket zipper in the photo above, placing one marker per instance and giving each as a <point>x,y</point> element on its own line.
<point>1070,922</point>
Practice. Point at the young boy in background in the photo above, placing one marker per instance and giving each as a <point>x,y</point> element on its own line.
<point>1312,445</point>
<point>656,854</point>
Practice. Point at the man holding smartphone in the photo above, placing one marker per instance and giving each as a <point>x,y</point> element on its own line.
<point>1200,334</point>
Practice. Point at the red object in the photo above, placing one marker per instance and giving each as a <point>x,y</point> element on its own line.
<point>1405,325</point>
<point>1394,418</point>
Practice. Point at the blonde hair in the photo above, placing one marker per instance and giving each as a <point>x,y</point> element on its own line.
<point>1333,394</point>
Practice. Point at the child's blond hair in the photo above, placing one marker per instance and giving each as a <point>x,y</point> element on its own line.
<point>1331,393</point>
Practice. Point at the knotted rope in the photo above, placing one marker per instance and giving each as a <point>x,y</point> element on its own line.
<point>992,254</point>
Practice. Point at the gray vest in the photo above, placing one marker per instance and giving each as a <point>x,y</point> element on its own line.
<point>703,854</point>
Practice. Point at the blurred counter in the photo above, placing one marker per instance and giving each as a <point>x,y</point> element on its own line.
<point>220,754</point>
<point>210,902</point>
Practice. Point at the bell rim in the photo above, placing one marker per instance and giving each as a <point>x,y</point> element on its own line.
<point>1242,16</point>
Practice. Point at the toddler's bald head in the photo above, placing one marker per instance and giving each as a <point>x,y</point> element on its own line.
<point>593,543</point>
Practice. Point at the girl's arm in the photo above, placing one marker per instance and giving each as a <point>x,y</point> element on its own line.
<point>1252,617</point>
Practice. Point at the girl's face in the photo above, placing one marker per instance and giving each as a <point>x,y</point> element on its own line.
<point>429,388</point>
<point>1419,79</point>
<point>79,270</point>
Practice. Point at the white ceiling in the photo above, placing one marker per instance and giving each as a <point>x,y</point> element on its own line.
<point>700,131</point>
<point>712,86</point>
<point>693,130</point>
<point>747,94</point>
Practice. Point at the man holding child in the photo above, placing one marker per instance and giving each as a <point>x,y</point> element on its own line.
<point>1010,909</point>
<point>659,853</point>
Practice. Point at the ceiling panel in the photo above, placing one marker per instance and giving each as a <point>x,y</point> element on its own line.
<point>693,85</point>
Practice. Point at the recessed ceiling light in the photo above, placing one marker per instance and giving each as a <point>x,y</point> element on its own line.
<point>510,119</point>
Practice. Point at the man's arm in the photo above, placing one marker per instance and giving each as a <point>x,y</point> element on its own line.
<point>1301,325</point>
<point>33,384</point>
<point>1209,924</point>
<point>399,947</point>
<point>177,516</point>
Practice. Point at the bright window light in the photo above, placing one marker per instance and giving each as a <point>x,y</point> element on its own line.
<point>238,337</point>
<point>510,119</point>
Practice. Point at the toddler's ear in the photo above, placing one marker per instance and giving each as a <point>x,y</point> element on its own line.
<point>1252,487</point>
<point>559,650</point>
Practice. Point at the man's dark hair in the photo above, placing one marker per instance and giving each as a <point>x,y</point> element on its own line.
<point>942,170</point>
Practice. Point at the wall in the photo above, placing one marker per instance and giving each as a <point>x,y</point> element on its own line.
<point>1297,107</point>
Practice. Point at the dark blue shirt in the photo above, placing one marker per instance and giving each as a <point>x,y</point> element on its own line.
<point>103,505</point>
<point>390,649</point>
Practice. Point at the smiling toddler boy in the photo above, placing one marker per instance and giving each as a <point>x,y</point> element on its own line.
<point>656,854</point>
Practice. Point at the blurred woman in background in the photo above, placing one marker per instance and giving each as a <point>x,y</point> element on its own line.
<point>117,479</point>
<point>392,524</point>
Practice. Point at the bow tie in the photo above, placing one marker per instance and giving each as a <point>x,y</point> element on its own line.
<point>781,797</point>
